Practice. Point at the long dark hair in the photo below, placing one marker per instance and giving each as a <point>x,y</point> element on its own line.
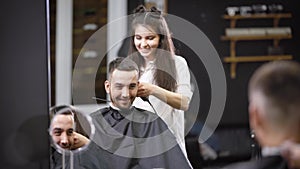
<point>165,73</point>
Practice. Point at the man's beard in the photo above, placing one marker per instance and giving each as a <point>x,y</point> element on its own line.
<point>117,102</point>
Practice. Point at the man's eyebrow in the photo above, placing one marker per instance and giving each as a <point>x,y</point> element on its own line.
<point>57,129</point>
<point>119,84</point>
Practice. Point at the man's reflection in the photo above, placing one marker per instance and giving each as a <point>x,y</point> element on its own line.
<point>62,129</point>
<point>69,129</point>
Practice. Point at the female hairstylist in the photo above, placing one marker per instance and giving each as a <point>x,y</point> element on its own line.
<point>165,77</point>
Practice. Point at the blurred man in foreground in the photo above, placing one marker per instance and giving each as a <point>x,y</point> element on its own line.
<point>274,116</point>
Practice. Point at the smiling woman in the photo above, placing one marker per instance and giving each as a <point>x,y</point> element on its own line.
<point>164,76</point>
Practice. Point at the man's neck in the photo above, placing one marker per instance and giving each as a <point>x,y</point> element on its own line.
<point>116,108</point>
<point>113,106</point>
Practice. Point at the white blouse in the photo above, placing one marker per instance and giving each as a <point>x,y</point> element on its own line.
<point>174,118</point>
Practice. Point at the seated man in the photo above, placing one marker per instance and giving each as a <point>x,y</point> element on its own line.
<point>128,137</point>
<point>274,104</point>
<point>61,129</point>
<point>64,128</point>
<point>66,133</point>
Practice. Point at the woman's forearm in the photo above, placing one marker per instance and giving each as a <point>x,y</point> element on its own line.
<point>176,100</point>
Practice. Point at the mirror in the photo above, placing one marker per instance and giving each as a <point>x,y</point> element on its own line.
<point>80,76</point>
<point>70,131</point>
<point>71,25</point>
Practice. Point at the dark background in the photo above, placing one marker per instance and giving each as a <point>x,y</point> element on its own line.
<point>207,16</point>
<point>24,85</point>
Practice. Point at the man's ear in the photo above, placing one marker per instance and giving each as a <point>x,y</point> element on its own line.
<point>256,121</point>
<point>253,116</point>
<point>107,86</point>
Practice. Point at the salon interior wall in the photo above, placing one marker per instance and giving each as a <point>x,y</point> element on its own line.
<point>24,85</point>
<point>207,16</point>
<point>63,53</point>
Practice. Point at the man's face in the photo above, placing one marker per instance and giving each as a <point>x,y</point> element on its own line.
<point>122,88</point>
<point>62,130</point>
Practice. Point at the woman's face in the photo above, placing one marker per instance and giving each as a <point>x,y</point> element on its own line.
<point>146,41</point>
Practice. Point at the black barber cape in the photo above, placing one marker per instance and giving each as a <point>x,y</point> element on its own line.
<point>136,139</point>
<point>132,139</point>
<point>92,157</point>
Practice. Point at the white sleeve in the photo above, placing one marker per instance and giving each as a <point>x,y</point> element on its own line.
<point>183,77</point>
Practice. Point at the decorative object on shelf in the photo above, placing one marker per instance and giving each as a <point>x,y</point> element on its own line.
<point>279,31</point>
<point>232,10</point>
<point>275,8</point>
<point>245,10</point>
<point>90,26</point>
<point>259,9</point>
<point>254,9</point>
<point>90,54</point>
<point>263,31</point>
<point>274,33</point>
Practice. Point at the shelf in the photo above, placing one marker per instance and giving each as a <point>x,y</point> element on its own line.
<point>233,59</point>
<point>256,58</point>
<point>275,17</point>
<point>256,37</point>
<point>259,16</point>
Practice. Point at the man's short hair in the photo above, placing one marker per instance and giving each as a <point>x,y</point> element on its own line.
<point>62,110</point>
<point>123,64</point>
<point>279,83</point>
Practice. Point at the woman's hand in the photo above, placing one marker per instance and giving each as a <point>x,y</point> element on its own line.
<point>145,89</point>
<point>176,100</point>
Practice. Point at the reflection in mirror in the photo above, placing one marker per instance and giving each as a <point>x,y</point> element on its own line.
<point>70,130</point>
<point>62,127</point>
